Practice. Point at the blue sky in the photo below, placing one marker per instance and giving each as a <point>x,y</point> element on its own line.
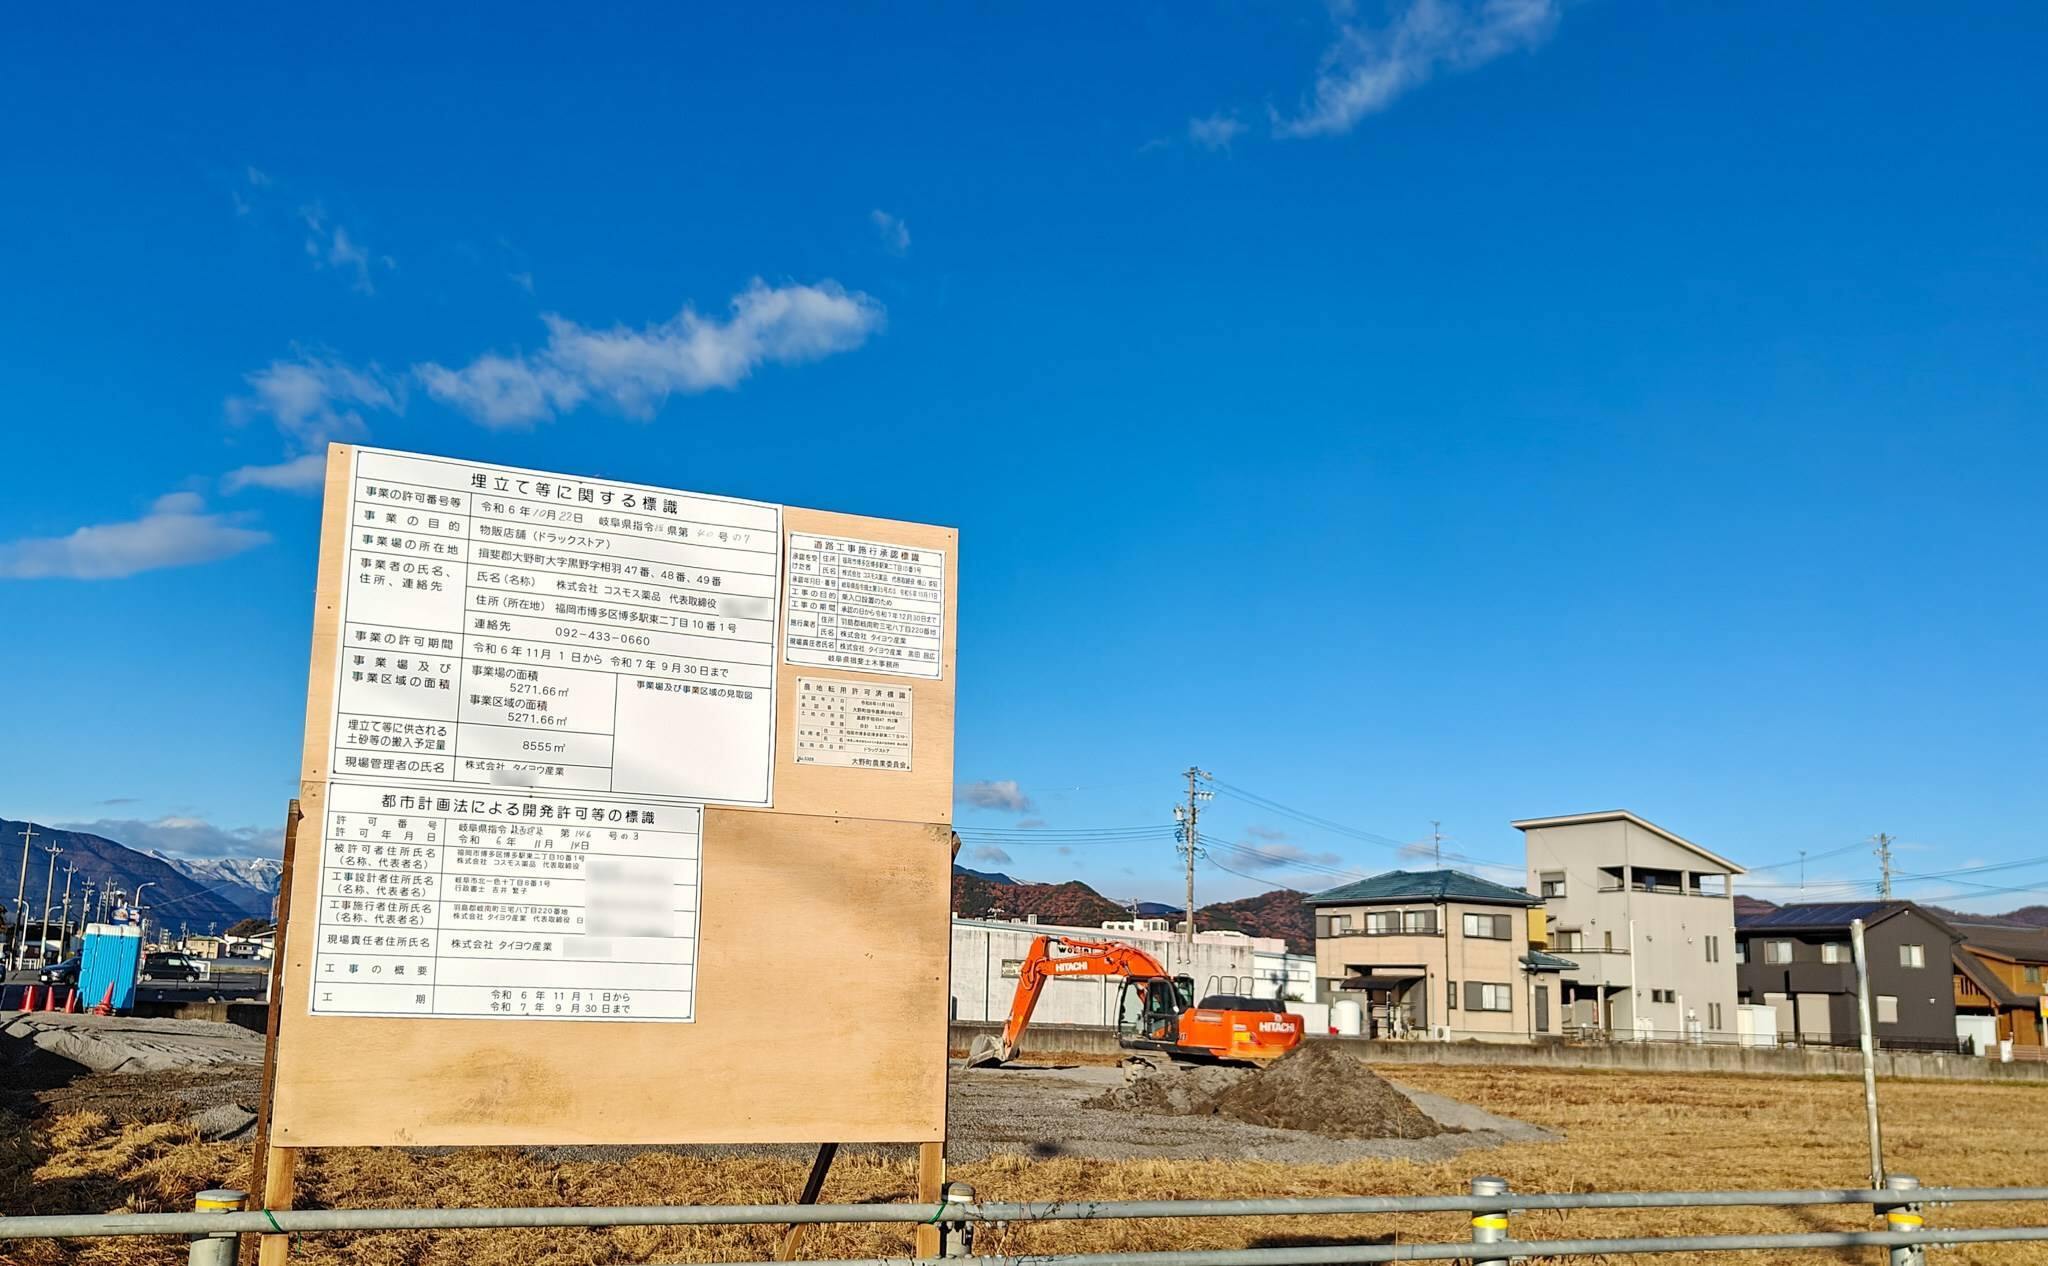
<point>1426,411</point>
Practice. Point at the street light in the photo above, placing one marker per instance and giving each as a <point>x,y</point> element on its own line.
<point>141,923</point>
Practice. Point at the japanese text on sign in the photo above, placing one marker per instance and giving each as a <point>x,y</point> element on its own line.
<point>493,905</point>
<point>507,628</point>
<point>865,606</point>
<point>853,724</point>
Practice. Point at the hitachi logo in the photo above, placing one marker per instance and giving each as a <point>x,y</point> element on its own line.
<point>1069,967</point>
<point>1275,1026</point>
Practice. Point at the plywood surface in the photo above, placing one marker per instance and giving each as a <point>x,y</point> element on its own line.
<point>822,973</point>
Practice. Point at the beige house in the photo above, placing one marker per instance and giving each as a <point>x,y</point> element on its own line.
<point>1436,954</point>
<point>1648,915</point>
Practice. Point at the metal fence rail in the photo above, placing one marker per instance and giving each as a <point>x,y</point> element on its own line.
<point>1489,1204</point>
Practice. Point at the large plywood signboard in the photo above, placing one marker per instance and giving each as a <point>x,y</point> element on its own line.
<point>616,798</point>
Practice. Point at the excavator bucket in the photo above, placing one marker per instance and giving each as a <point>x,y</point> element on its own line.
<point>986,1052</point>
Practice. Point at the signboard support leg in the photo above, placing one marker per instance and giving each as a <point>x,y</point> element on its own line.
<point>931,1189</point>
<point>280,1167</point>
<point>793,1235</point>
<point>274,997</point>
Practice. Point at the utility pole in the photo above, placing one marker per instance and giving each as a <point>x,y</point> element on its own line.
<point>69,871</point>
<point>49,893</point>
<point>1802,874</point>
<point>1884,865</point>
<point>28,834</point>
<point>1190,838</point>
<point>1436,841</point>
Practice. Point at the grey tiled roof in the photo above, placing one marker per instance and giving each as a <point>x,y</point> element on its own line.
<point>1425,885</point>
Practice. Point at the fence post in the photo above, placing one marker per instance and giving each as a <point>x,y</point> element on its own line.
<point>217,1249</point>
<point>1489,1226</point>
<point>956,1233</point>
<point>1904,1217</point>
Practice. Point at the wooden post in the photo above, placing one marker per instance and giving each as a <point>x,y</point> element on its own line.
<point>265,1162</point>
<point>931,1189</point>
<point>793,1235</point>
<point>280,1168</point>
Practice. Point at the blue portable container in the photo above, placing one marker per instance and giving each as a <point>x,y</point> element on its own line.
<point>112,956</point>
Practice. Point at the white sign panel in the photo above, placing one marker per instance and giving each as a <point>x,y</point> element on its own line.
<point>477,903</point>
<point>865,606</point>
<point>853,724</point>
<point>505,628</point>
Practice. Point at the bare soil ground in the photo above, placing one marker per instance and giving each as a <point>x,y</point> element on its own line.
<point>100,1143</point>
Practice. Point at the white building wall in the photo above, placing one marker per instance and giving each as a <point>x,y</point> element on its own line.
<point>1221,962</point>
<point>1284,975</point>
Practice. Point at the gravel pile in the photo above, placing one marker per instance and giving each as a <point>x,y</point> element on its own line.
<point>1318,1088</point>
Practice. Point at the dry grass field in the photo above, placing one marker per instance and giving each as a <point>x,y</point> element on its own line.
<point>1623,1131</point>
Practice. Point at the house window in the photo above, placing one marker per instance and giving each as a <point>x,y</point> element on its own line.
<point>1714,1017</point>
<point>1887,1009</point>
<point>1607,941</point>
<point>1453,1003</point>
<point>1713,949</point>
<point>1484,997</point>
<point>1569,941</point>
<point>1912,956</point>
<point>1418,920</point>
<point>1552,883</point>
<point>1834,952</point>
<point>2033,975</point>
<point>1741,950</point>
<point>1488,927</point>
<point>1777,951</point>
<point>1663,995</point>
<point>1382,923</point>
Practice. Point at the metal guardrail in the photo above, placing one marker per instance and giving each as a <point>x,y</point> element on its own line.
<point>1489,1204</point>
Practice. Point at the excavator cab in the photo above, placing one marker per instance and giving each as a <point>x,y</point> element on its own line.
<point>1149,1009</point>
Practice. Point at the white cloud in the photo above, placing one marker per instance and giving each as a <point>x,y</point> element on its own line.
<point>1276,855</point>
<point>636,371</point>
<point>1215,132</point>
<point>257,177</point>
<point>314,399</point>
<point>176,532</point>
<point>186,836</point>
<point>1001,793</point>
<point>331,246</point>
<point>299,474</point>
<point>988,853</point>
<point>1367,68</point>
<point>895,233</point>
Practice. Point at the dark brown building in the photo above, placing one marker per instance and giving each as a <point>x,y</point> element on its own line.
<point>1796,959</point>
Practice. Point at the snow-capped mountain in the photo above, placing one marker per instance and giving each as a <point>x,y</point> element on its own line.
<point>247,882</point>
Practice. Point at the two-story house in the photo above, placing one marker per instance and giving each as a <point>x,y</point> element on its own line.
<point>2001,977</point>
<point>1436,953</point>
<point>1798,959</point>
<point>1649,917</point>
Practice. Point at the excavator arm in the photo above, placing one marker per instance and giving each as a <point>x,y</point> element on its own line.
<point>1077,957</point>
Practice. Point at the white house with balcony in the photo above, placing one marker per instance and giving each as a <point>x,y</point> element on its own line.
<point>1647,915</point>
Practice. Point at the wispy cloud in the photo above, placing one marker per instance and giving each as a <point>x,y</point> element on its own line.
<point>186,837</point>
<point>314,399</point>
<point>636,370</point>
<point>1368,68</point>
<point>330,245</point>
<point>1216,131</point>
<point>176,532</point>
<point>1002,794</point>
<point>895,233</point>
<point>988,853</point>
<point>299,474</point>
<point>1271,854</point>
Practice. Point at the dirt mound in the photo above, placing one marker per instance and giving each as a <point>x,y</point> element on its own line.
<point>1315,1088</point>
<point>1181,1090</point>
<point>1324,1090</point>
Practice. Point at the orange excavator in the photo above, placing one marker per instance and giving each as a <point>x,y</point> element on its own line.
<point>1155,1012</point>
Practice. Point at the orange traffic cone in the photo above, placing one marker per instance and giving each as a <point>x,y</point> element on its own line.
<point>106,1004</point>
<point>71,1001</point>
<point>50,998</point>
<point>28,1000</point>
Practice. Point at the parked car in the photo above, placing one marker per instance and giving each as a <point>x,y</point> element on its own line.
<point>60,973</point>
<point>172,967</point>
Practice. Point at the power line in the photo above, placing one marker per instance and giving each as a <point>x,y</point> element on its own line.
<point>1189,816</point>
